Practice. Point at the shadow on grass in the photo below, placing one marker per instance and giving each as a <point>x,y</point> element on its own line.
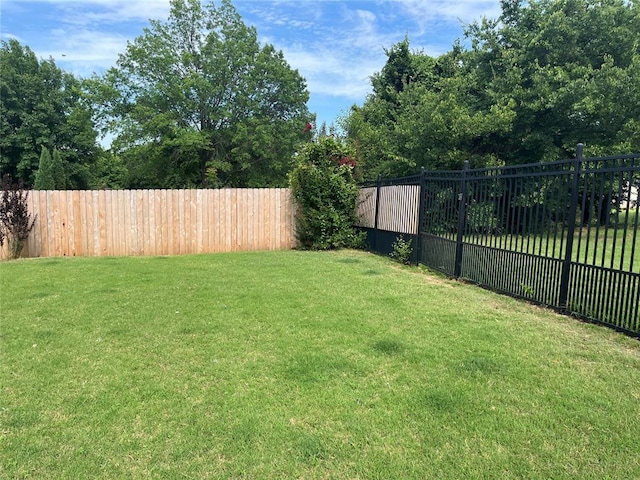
<point>310,448</point>
<point>372,272</point>
<point>436,400</point>
<point>477,365</point>
<point>389,347</point>
<point>312,368</point>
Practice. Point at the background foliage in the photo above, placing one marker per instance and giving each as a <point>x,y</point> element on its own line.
<point>533,83</point>
<point>197,101</point>
<point>42,106</point>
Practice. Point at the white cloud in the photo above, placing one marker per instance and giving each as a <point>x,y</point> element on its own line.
<point>11,36</point>
<point>101,10</point>
<point>85,51</point>
<point>337,48</point>
<point>333,73</point>
<point>121,11</point>
<point>84,36</point>
<point>466,11</point>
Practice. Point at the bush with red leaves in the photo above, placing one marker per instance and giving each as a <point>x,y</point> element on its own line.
<point>15,221</point>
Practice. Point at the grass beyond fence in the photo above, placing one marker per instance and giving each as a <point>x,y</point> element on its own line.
<point>301,365</point>
<point>613,247</point>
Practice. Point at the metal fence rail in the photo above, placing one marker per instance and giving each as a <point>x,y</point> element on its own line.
<point>562,234</point>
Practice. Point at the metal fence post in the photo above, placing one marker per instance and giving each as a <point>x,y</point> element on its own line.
<point>375,221</point>
<point>462,220</point>
<point>571,228</point>
<point>421,208</point>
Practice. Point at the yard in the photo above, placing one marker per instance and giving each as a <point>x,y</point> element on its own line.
<point>290,364</point>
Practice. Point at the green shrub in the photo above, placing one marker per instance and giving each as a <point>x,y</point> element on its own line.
<point>44,176</point>
<point>402,250</point>
<point>325,193</point>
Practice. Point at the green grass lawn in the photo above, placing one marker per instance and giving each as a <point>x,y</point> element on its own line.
<point>617,248</point>
<point>337,365</point>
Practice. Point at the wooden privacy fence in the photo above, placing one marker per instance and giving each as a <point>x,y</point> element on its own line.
<point>159,222</point>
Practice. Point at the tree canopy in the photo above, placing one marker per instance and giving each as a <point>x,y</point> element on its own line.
<point>42,106</point>
<point>533,82</point>
<point>197,101</point>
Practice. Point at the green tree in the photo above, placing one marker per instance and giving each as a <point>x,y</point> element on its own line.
<point>44,176</point>
<point>59,170</point>
<point>197,101</point>
<point>435,117</point>
<point>398,72</point>
<point>570,68</point>
<point>50,174</point>
<point>110,172</point>
<point>42,106</point>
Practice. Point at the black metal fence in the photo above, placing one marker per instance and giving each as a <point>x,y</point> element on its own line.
<point>562,234</point>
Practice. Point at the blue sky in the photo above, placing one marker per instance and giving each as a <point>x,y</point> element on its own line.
<point>336,45</point>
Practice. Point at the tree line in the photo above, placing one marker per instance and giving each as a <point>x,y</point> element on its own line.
<point>197,101</point>
<point>525,87</point>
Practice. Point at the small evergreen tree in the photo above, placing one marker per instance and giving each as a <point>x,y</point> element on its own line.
<point>59,174</point>
<point>45,176</point>
<point>51,172</point>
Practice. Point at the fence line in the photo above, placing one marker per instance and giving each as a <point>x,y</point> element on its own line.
<point>159,222</point>
<point>564,234</point>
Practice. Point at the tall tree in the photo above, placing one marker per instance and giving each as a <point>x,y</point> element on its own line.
<point>398,72</point>
<point>426,112</point>
<point>570,67</point>
<point>42,106</point>
<point>197,101</point>
<point>59,170</point>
